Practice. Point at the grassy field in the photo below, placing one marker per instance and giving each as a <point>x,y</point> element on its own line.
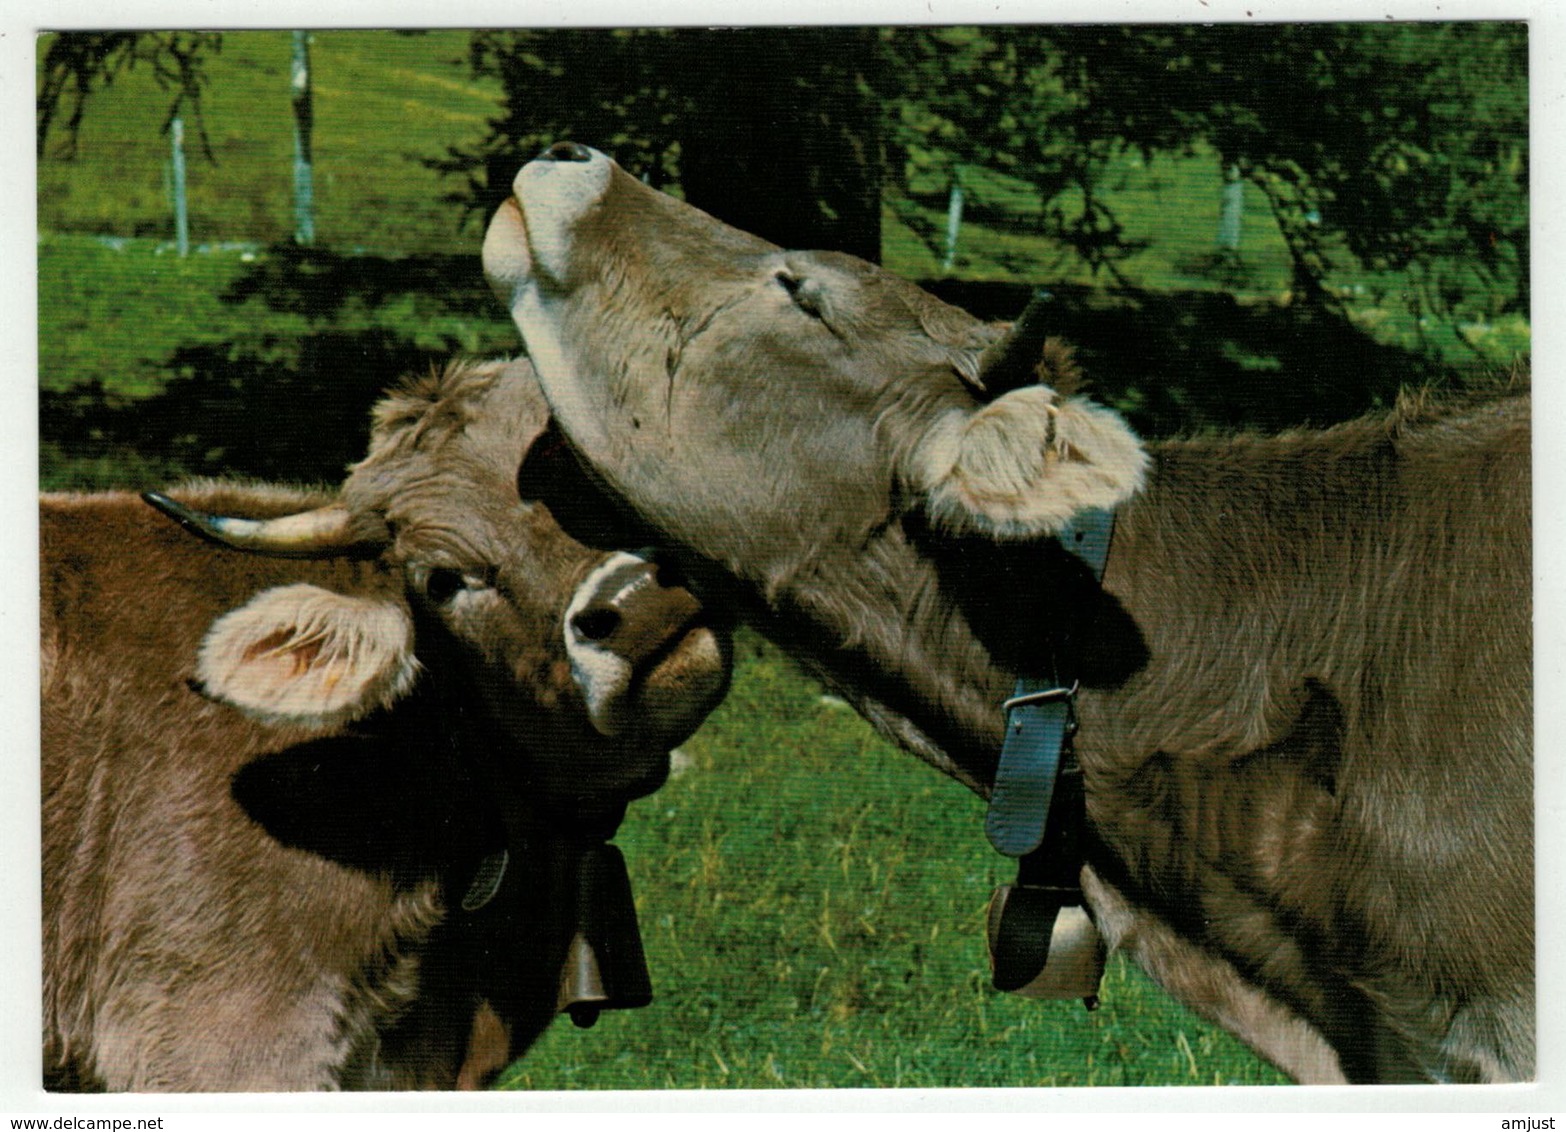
<point>384,102</point>
<point>811,900</point>
<point>114,311</point>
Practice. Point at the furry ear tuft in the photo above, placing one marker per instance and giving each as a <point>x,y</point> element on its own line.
<point>1058,368</point>
<point>1024,464</point>
<point>303,654</point>
<point>1055,366</point>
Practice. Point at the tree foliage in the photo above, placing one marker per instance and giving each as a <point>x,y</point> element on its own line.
<point>775,130</point>
<point>1002,98</point>
<point>1393,148</point>
<point>1403,146</point>
<point>78,65</point>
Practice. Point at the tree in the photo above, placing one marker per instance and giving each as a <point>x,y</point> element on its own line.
<point>1001,98</point>
<point>1407,142</point>
<point>1404,145</point>
<point>77,65</point>
<point>774,130</point>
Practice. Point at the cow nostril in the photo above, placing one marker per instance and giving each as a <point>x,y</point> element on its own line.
<point>596,624</point>
<point>566,151</point>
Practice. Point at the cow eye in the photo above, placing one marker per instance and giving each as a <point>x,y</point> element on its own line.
<point>803,295</point>
<point>442,585</point>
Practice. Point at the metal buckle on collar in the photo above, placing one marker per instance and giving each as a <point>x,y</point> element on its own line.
<point>1043,696</point>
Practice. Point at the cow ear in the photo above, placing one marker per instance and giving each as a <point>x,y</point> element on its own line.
<point>1024,464</point>
<point>302,654</point>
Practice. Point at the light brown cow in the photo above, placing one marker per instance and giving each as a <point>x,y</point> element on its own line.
<point>267,898</point>
<point>1306,696</point>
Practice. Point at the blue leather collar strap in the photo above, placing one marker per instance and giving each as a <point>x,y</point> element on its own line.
<point>1042,942</point>
<point>1040,718</point>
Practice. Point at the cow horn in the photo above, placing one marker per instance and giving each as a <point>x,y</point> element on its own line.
<point>1013,361</point>
<point>323,532</point>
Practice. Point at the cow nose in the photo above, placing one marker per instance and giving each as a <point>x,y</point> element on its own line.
<point>566,151</point>
<point>632,613</point>
<point>642,653</point>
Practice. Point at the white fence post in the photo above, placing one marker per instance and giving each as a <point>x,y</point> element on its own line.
<point>177,159</point>
<point>1232,211</point>
<point>304,183</point>
<point>953,219</point>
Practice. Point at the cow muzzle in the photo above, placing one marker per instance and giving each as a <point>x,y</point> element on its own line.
<point>554,191</point>
<point>641,653</point>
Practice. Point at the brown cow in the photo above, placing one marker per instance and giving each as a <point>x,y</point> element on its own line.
<point>1305,681</point>
<point>266,898</point>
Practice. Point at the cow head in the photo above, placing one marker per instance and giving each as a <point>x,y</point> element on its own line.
<point>749,400</point>
<point>585,663</point>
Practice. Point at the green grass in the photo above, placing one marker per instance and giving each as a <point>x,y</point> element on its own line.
<point>114,311</point>
<point>812,906</point>
<point>255,362</point>
<point>384,103</point>
<point>94,321</point>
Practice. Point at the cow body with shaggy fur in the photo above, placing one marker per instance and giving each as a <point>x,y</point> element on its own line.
<point>1305,679</point>
<point>268,784</point>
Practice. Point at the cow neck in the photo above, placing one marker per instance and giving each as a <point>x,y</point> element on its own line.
<point>490,764</point>
<point>926,633</point>
<point>887,675</point>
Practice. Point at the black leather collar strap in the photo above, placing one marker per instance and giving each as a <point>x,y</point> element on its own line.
<point>1040,718</point>
<point>1042,941</point>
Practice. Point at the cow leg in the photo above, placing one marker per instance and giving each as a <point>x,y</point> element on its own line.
<point>1211,987</point>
